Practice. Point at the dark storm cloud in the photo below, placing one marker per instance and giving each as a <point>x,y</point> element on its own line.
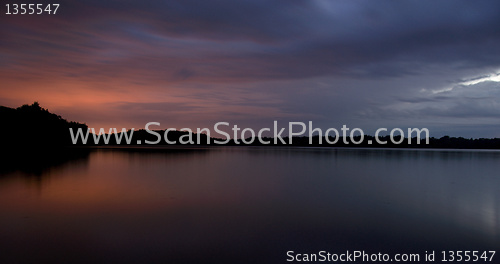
<point>259,40</point>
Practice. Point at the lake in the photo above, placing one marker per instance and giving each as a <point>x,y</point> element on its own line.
<point>248,204</point>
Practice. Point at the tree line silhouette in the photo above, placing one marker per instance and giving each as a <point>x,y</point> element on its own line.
<point>34,140</point>
<point>34,126</point>
<point>31,126</point>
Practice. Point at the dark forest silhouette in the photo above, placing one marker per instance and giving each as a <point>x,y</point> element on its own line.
<point>35,128</point>
<point>35,140</point>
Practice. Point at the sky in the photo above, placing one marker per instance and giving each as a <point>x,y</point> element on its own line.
<point>365,64</point>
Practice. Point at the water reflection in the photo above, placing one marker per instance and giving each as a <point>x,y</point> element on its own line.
<point>37,162</point>
<point>35,167</point>
<point>251,205</point>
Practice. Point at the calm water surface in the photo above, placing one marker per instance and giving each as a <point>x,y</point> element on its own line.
<point>247,205</point>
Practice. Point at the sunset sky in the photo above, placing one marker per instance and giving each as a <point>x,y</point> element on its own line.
<point>366,64</point>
